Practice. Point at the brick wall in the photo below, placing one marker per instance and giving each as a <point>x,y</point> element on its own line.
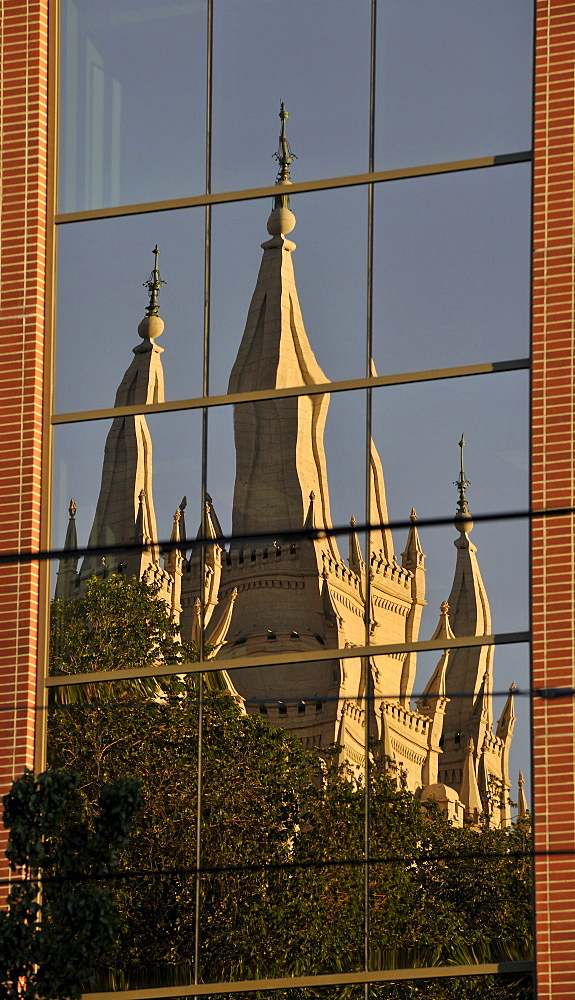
<point>552,486</point>
<point>23,110</point>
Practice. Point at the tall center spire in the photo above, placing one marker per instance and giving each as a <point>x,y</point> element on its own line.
<point>279,443</point>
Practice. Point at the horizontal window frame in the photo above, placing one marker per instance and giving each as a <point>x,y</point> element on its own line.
<point>302,656</point>
<point>337,979</point>
<point>298,187</point>
<point>255,395</point>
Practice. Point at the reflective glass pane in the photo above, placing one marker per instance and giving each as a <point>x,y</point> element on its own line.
<point>288,899</point>
<point>102,299</point>
<point>452,269</point>
<point>132,97</point>
<point>453,80</point>
<point>119,739</point>
<point>311,293</point>
<point>416,429</point>
<point>465,836</point>
<point>315,57</point>
<point>127,478</point>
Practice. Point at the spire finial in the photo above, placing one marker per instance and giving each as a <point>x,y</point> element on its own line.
<point>72,508</point>
<point>463,520</point>
<point>153,284</point>
<point>284,155</point>
<point>282,220</point>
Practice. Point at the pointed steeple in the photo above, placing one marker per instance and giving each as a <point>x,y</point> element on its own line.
<point>356,562</point>
<point>412,559</point>
<point>183,536</point>
<point>309,522</point>
<point>522,808</point>
<point>469,791</point>
<point>434,699</point>
<point>127,467</point>
<point>413,556</point>
<point>280,455</point>
<point>212,560</point>
<point>173,564</point>
<point>216,634</point>
<point>67,570</point>
<point>141,534</point>
<point>505,727</point>
<point>506,721</point>
<point>470,668</point>
<point>482,709</point>
<point>435,689</point>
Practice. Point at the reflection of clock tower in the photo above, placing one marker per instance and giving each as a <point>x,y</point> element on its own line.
<point>294,596</point>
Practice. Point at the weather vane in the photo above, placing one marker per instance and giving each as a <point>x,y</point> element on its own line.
<point>153,284</point>
<point>284,155</point>
<point>462,483</point>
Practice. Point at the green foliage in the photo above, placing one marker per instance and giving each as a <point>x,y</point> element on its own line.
<point>53,941</point>
<point>118,624</point>
<point>282,844</point>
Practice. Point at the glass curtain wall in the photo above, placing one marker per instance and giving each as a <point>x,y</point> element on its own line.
<point>290,486</point>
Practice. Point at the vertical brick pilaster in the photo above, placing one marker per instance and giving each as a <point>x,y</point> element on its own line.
<point>554,452</point>
<point>23,110</point>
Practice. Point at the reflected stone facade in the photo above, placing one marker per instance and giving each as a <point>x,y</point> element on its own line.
<point>296,595</point>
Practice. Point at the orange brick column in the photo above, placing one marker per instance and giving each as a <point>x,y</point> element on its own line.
<point>553,487</point>
<point>24,51</point>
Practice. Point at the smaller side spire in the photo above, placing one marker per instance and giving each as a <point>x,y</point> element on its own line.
<point>434,699</point>
<point>413,556</point>
<point>173,564</point>
<point>506,721</point>
<point>183,537</point>
<point>522,808</point>
<point>356,563</point>
<point>469,793</point>
<point>412,559</point>
<point>68,566</point>
<point>309,522</point>
<point>435,689</point>
<point>216,635</point>
<point>482,708</point>
<point>140,534</point>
